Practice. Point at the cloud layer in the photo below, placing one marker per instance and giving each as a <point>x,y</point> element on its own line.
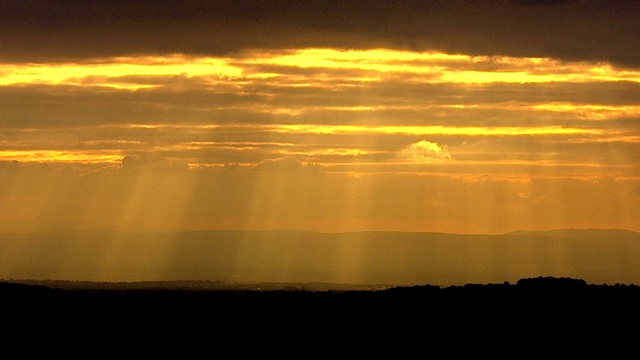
<point>455,116</point>
<point>576,30</point>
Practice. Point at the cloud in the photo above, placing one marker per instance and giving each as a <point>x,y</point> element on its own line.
<point>132,161</point>
<point>280,165</point>
<point>424,149</point>
<point>151,162</point>
<point>539,2</point>
<point>65,30</point>
<point>12,166</point>
<point>314,111</point>
<point>291,195</point>
<point>289,167</point>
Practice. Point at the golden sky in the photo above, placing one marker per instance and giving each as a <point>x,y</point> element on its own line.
<point>219,115</point>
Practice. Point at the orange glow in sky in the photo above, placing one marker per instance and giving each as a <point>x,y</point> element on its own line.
<point>128,72</point>
<point>371,119</point>
<point>366,113</point>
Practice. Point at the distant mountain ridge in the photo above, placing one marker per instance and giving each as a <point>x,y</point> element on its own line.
<point>580,233</point>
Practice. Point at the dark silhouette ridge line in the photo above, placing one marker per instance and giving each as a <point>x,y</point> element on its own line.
<point>542,283</point>
<point>566,302</point>
<point>170,231</point>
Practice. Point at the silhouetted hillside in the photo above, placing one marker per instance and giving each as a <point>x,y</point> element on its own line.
<point>533,307</point>
<point>51,292</point>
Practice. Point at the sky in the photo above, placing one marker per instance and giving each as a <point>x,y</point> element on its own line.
<point>458,116</point>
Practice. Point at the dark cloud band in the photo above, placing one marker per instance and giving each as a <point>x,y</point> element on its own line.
<point>591,30</point>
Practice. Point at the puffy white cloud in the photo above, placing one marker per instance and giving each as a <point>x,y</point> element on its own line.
<point>424,149</point>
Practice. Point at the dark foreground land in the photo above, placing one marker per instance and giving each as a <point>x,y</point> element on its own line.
<point>527,296</point>
<point>532,314</point>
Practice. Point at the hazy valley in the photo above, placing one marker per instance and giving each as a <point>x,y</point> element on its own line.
<point>370,259</point>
